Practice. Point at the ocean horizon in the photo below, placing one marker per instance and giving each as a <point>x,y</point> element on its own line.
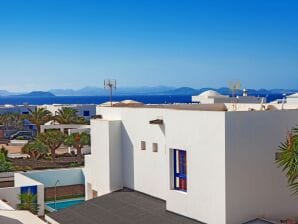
<point>147,99</point>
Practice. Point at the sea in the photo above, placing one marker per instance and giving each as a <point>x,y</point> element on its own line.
<point>147,99</point>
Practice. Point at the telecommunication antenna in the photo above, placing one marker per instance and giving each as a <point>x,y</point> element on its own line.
<point>110,84</point>
<point>234,87</point>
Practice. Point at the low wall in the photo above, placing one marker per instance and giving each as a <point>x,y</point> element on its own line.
<point>64,191</point>
<point>70,176</point>
<point>21,180</point>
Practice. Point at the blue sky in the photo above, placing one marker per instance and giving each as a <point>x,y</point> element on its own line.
<point>71,44</point>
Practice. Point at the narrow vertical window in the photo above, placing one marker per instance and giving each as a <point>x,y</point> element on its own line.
<point>180,165</point>
<point>143,145</point>
<point>154,147</point>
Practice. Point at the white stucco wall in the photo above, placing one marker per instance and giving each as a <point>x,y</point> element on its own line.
<point>103,169</point>
<point>201,134</point>
<point>149,172</point>
<point>21,180</point>
<point>231,172</point>
<point>11,194</point>
<point>255,186</point>
<point>69,176</point>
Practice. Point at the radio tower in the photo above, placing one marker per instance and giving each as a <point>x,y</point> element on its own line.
<point>110,84</point>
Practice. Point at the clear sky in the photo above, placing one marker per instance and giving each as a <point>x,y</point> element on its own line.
<point>48,44</point>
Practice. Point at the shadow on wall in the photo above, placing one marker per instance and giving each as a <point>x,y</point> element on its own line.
<point>127,159</point>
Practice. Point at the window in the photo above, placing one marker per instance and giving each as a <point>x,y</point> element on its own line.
<point>143,145</point>
<point>25,112</point>
<point>86,113</point>
<point>154,147</point>
<point>180,175</point>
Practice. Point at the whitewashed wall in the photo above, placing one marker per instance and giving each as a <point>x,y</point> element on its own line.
<point>104,175</point>
<point>21,180</point>
<point>69,176</point>
<point>11,194</point>
<point>255,186</point>
<point>149,172</point>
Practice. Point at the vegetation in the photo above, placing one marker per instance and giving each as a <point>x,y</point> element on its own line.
<point>39,117</point>
<point>5,165</point>
<point>35,149</point>
<point>68,115</point>
<point>12,119</point>
<point>78,141</point>
<point>28,202</point>
<point>4,151</point>
<point>53,140</point>
<point>288,159</point>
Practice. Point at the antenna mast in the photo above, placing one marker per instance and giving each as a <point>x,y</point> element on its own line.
<point>234,87</point>
<point>110,84</point>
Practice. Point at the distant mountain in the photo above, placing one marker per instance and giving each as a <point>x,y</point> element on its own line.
<point>38,94</point>
<point>4,93</point>
<point>96,91</point>
<point>143,90</point>
<point>183,91</point>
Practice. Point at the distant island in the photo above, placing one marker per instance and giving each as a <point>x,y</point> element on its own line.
<point>144,90</point>
<point>38,94</point>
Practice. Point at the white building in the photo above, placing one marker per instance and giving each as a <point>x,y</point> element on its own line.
<point>22,109</point>
<point>211,97</point>
<point>292,98</point>
<point>84,110</point>
<point>207,162</point>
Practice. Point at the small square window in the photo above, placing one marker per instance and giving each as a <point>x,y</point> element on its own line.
<point>154,147</point>
<point>86,113</point>
<point>143,145</point>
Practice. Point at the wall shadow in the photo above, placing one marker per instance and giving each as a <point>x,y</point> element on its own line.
<point>127,159</point>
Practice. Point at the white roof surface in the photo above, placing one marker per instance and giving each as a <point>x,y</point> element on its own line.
<point>295,95</point>
<point>210,94</point>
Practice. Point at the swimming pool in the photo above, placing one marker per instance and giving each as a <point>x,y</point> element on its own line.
<point>59,205</point>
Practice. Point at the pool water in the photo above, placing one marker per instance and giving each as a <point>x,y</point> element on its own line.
<point>59,205</point>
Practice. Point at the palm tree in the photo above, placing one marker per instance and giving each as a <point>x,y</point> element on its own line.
<point>39,117</point>
<point>12,119</point>
<point>28,202</point>
<point>78,141</point>
<point>35,149</point>
<point>68,115</point>
<point>53,139</point>
<point>288,159</point>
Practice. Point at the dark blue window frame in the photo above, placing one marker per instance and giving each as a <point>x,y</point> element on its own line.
<point>180,167</point>
<point>86,113</point>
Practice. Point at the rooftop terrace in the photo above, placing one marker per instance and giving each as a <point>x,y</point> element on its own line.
<point>122,207</point>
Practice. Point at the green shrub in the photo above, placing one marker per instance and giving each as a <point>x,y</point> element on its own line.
<point>5,165</point>
<point>4,151</point>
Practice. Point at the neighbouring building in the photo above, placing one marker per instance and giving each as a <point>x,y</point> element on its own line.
<point>207,162</point>
<point>211,97</point>
<point>84,110</point>
<point>292,98</point>
<point>22,109</point>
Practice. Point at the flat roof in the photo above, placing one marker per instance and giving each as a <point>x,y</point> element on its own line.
<point>201,107</point>
<point>121,207</point>
<point>220,107</point>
